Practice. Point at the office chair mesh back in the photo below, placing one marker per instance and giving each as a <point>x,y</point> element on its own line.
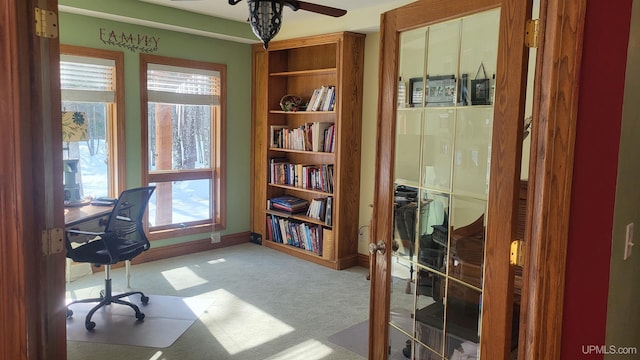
<point>125,223</point>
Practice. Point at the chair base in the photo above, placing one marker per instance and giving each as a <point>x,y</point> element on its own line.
<point>107,298</point>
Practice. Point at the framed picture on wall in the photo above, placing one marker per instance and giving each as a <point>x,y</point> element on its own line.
<point>416,90</point>
<point>441,90</point>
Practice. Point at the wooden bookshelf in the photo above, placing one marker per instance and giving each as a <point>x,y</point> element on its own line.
<point>297,67</point>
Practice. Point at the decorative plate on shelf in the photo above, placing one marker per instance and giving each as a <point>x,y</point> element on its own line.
<point>291,103</point>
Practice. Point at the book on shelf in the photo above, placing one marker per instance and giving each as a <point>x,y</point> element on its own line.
<point>288,203</point>
<point>316,209</point>
<point>276,166</point>
<point>328,216</point>
<point>329,139</point>
<point>317,136</point>
<point>297,233</point>
<point>276,135</point>
<point>322,99</point>
<point>318,133</point>
<point>313,177</point>
<point>327,244</point>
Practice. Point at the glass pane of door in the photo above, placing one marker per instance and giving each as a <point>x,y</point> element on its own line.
<point>444,126</point>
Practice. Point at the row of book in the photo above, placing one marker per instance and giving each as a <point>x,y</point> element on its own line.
<point>317,136</point>
<point>296,233</point>
<point>321,209</point>
<point>314,177</point>
<point>322,99</point>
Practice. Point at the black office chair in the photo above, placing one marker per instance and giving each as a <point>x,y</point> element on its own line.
<point>123,239</point>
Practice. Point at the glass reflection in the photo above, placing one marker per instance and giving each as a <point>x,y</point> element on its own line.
<point>472,153</point>
<point>432,244</point>
<point>443,48</point>
<point>402,293</point>
<point>408,133</point>
<point>466,243</point>
<point>437,145</point>
<point>430,319</point>
<point>462,321</point>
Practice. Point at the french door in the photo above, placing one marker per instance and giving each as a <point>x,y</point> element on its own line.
<point>31,201</point>
<point>448,169</point>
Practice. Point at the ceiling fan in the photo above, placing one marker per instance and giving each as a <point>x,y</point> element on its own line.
<point>301,5</point>
<point>265,16</point>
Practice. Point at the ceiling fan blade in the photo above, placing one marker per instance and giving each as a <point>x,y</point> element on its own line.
<point>320,9</point>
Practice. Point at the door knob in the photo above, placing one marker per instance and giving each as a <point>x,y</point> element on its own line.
<point>380,247</point>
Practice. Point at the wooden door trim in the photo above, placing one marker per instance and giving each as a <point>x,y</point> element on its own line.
<point>33,311</point>
<point>550,177</point>
<point>506,159</point>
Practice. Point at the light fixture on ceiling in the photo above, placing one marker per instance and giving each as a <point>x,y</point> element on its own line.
<point>265,16</point>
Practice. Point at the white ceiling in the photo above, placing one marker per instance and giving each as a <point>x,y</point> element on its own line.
<point>239,12</point>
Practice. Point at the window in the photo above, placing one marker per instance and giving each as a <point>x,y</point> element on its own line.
<point>92,83</point>
<point>184,110</point>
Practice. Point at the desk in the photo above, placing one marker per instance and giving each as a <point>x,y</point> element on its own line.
<point>84,216</point>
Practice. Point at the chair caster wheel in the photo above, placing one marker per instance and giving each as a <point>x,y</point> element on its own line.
<point>69,313</point>
<point>407,349</point>
<point>140,316</point>
<point>144,299</point>
<point>90,325</point>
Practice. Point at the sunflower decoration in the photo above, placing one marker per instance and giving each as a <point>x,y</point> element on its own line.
<point>74,126</point>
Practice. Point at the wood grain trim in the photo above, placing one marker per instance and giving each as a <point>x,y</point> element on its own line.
<point>259,131</point>
<point>380,276</point>
<point>32,309</point>
<point>550,177</point>
<point>506,158</point>
<point>13,225</point>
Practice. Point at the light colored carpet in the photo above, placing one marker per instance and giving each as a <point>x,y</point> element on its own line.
<point>265,305</point>
<point>166,318</point>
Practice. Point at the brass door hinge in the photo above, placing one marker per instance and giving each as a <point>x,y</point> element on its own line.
<point>517,253</point>
<point>46,23</point>
<point>531,35</point>
<point>52,241</point>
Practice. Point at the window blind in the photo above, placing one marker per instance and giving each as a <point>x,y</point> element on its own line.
<point>87,79</point>
<point>178,85</point>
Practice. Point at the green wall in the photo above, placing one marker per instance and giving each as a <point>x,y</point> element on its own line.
<point>84,31</point>
<point>144,11</point>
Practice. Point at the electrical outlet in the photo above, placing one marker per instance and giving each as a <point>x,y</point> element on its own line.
<point>628,242</point>
<point>215,237</point>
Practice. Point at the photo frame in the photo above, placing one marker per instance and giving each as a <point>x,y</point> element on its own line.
<point>480,93</point>
<point>416,91</point>
<point>441,90</point>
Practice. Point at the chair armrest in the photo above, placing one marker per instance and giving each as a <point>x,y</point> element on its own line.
<point>80,236</point>
<point>80,232</point>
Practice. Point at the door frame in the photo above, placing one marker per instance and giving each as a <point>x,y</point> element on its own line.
<point>550,177</point>
<point>549,187</point>
<point>32,283</point>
